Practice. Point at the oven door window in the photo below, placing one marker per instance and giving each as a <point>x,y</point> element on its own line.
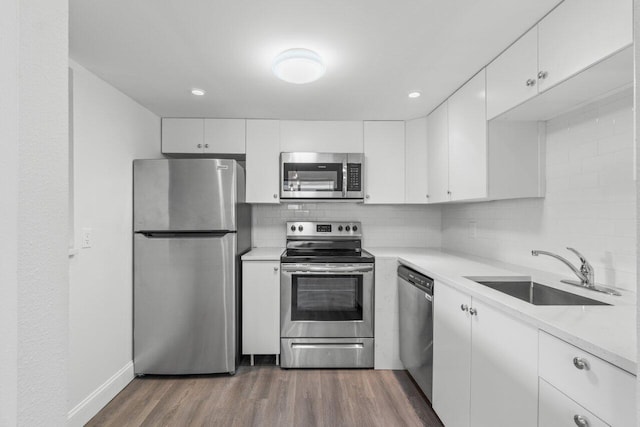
<point>326,298</point>
<point>312,177</point>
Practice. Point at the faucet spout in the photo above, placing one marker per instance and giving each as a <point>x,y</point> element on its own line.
<point>583,278</point>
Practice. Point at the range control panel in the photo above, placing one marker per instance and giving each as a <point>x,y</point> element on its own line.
<point>324,229</point>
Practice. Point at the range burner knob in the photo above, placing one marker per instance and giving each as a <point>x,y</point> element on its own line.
<point>300,228</point>
<point>339,228</point>
<point>355,228</point>
<point>293,228</point>
<point>347,228</point>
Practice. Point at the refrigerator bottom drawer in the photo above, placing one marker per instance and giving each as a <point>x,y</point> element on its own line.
<point>326,352</point>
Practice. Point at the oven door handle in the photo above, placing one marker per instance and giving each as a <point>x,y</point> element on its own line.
<point>327,270</point>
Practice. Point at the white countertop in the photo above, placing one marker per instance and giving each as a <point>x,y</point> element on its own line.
<point>263,254</point>
<point>608,332</point>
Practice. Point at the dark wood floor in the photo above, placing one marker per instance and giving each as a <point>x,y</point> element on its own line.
<point>265,395</point>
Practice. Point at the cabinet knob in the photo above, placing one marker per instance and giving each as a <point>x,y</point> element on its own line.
<point>542,75</point>
<point>368,196</point>
<point>448,192</point>
<point>206,145</point>
<point>427,196</point>
<point>464,307</point>
<point>580,421</point>
<point>275,196</point>
<point>199,145</point>
<point>531,82</point>
<point>473,311</point>
<point>580,363</point>
<point>275,268</point>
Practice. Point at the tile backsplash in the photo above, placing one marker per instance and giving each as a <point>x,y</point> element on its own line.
<point>590,202</point>
<point>382,225</point>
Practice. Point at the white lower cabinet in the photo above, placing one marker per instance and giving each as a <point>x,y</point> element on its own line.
<point>604,390</point>
<point>261,307</point>
<point>557,409</point>
<point>484,363</point>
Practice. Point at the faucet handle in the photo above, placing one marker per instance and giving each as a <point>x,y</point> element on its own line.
<point>586,268</point>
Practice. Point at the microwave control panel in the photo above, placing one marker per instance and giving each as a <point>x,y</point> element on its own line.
<point>354,177</point>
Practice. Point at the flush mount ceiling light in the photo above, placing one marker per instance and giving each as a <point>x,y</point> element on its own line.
<point>298,66</point>
<point>415,94</point>
<point>197,92</point>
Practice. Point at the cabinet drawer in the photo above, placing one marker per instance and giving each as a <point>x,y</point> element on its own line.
<point>607,391</point>
<point>556,409</point>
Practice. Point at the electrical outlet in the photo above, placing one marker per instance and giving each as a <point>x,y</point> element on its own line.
<point>86,238</point>
<point>473,229</point>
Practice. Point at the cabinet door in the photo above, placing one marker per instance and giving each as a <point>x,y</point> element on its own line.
<point>261,307</point>
<point>182,136</point>
<point>468,140</point>
<point>224,136</point>
<point>263,161</point>
<point>321,136</point>
<point>416,175</point>
<point>504,370</point>
<point>384,162</point>
<point>579,33</point>
<point>451,355</point>
<point>512,76</point>
<point>438,154</point>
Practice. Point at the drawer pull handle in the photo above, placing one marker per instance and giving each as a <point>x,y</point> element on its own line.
<point>580,363</point>
<point>580,421</point>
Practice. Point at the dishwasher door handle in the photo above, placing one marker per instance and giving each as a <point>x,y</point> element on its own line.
<point>428,297</point>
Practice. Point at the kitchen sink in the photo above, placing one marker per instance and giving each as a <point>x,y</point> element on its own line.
<point>532,292</point>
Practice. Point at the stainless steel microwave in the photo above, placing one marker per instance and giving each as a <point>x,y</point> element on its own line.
<point>322,176</point>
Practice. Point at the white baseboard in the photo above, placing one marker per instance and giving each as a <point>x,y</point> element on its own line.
<point>97,400</point>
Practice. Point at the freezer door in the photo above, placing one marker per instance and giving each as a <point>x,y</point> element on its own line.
<point>184,194</point>
<point>184,304</point>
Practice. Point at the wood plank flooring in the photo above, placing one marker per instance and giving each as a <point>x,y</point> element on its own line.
<point>265,395</point>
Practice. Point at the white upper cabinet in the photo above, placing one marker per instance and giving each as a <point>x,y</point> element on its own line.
<point>200,136</point>
<point>224,136</point>
<point>468,141</point>
<point>321,136</point>
<point>512,77</point>
<point>263,161</point>
<point>182,136</point>
<point>578,33</point>
<point>416,170</point>
<point>438,154</point>
<point>578,45</point>
<point>384,162</point>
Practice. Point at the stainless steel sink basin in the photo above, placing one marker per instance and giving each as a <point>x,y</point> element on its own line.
<point>534,293</point>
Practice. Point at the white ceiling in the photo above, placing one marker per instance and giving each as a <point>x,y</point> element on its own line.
<point>376,51</point>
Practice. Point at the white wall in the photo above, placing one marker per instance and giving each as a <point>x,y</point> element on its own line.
<point>110,130</point>
<point>590,202</point>
<point>383,225</point>
<point>33,212</point>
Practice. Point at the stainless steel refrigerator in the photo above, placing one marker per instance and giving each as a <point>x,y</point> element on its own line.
<point>191,225</point>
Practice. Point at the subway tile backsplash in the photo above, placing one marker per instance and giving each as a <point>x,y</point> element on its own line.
<point>590,202</point>
<point>382,225</point>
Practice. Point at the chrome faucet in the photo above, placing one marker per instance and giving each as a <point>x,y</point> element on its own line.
<point>585,273</point>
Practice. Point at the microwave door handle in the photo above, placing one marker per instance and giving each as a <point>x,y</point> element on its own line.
<point>344,179</point>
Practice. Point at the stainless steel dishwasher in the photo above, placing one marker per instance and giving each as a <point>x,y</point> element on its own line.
<point>415,293</point>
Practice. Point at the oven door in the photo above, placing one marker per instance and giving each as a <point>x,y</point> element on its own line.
<point>326,300</point>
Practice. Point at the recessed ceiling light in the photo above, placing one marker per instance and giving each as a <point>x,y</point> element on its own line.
<point>298,66</point>
<point>414,94</point>
<point>197,92</point>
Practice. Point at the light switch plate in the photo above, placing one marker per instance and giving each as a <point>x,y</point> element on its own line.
<point>86,238</point>
<point>473,229</point>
